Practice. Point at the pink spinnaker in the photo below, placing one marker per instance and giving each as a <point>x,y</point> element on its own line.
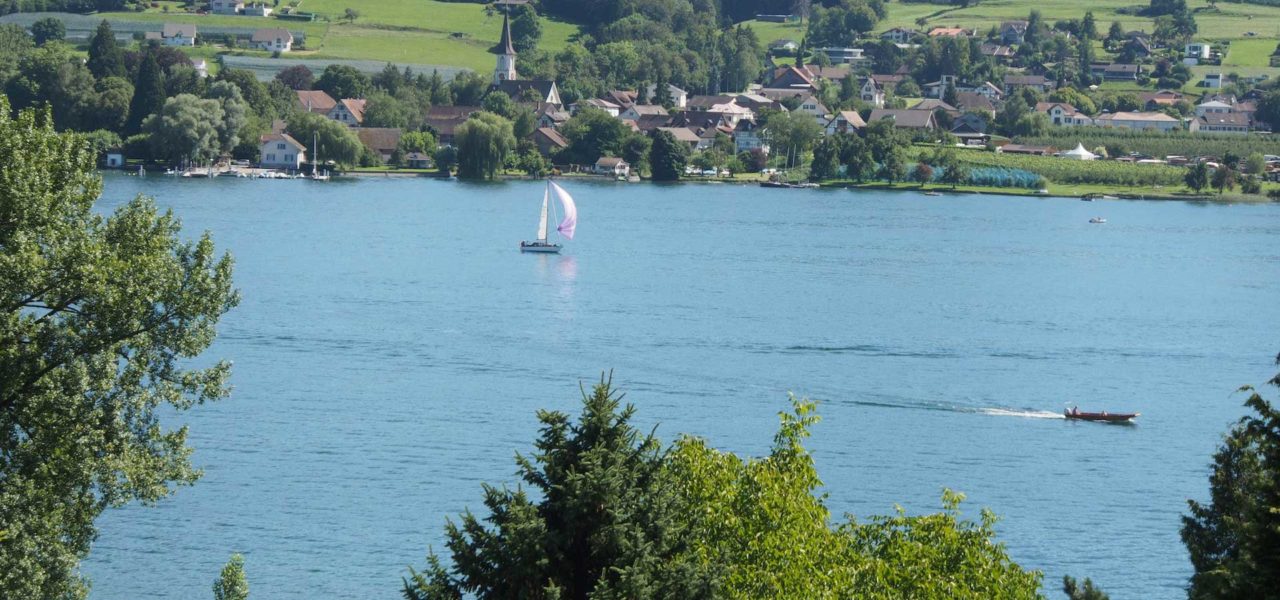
<point>570,221</point>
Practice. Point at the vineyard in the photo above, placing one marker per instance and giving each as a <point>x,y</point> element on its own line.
<point>266,68</point>
<point>1067,171</point>
<point>1159,145</point>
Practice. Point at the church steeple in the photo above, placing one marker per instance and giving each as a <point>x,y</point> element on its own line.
<point>506,67</point>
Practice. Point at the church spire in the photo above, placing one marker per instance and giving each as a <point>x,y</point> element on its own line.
<point>505,70</point>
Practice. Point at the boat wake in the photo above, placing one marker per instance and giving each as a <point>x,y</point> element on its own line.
<point>1026,414</point>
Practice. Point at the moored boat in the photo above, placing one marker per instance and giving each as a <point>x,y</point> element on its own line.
<point>1103,416</point>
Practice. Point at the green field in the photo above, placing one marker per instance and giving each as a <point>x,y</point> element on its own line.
<point>1250,53</point>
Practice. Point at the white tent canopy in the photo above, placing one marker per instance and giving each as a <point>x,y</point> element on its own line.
<point>1079,153</point>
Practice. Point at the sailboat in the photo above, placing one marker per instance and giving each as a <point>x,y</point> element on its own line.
<point>315,159</point>
<point>566,227</point>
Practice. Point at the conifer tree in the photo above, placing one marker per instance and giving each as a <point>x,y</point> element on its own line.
<point>148,93</point>
<point>105,57</point>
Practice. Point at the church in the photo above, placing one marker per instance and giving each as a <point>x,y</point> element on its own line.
<point>507,81</point>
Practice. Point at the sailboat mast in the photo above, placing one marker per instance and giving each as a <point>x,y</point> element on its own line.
<point>542,220</point>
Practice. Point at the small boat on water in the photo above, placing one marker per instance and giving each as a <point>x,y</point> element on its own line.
<point>932,193</point>
<point>1103,416</point>
<point>566,227</point>
<point>1097,220</point>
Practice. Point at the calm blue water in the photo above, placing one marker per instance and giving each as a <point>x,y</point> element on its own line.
<point>393,346</point>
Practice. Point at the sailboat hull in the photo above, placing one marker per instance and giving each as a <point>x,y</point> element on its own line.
<point>540,247</point>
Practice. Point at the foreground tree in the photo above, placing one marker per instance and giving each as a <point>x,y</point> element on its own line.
<point>231,583</point>
<point>101,316</point>
<point>1234,539</point>
<point>620,518</point>
<point>483,142</point>
<point>1078,591</point>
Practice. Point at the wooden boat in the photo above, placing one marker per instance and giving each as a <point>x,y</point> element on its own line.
<point>1103,416</point>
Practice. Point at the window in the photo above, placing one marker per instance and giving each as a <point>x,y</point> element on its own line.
<point>271,158</point>
<point>280,146</point>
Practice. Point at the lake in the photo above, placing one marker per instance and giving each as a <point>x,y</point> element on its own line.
<point>394,345</point>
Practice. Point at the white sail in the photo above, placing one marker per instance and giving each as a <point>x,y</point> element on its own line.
<point>542,221</point>
<point>570,221</point>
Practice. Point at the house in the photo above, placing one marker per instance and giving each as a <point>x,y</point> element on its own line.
<point>679,97</point>
<point>444,120</point>
<point>114,159</point>
<point>272,40</point>
<point>999,52</point>
<point>683,135</point>
<point>257,9</point>
<point>610,165</point>
<point>648,123</point>
<point>1038,83</point>
<point>905,119</point>
<point>747,136</point>
<point>971,129</point>
<point>1138,120</point>
<point>174,34</point>
<point>417,160</point>
<point>938,89</point>
<point>783,47</point>
<point>814,107</point>
<point>1195,52</point>
<point>635,111</point>
<point>845,56</point>
<point>975,102</point>
<point>932,104</point>
<point>348,111</point>
<point>1115,71</point>
<point>1024,149</point>
<point>900,35</point>
<point>955,32</point>
<point>1214,107</point>
<point>226,7</point>
<point>623,98</point>
<point>551,115</point>
<point>596,103</point>
<point>1225,122</point>
<point>871,92</point>
<point>548,140</point>
<point>1211,81</point>
<point>1013,32</point>
<point>791,78</point>
<point>728,106</point>
<point>1063,114</point>
<point>382,141</point>
<point>845,121</point>
<point>1138,47</point>
<point>201,67</point>
<point>1160,99</point>
<point>316,101</point>
<point>280,151</point>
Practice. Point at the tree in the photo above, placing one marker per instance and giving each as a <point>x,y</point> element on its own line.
<point>148,93</point>
<point>894,166</point>
<point>382,110</point>
<point>483,142</point>
<point>826,160</point>
<point>350,15</point>
<point>48,29</point>
<point>667,156</point>
<point>1075,591</point>
<point>105,57</point>
<point>335,140</point>
<point>1089,27</point>
<point>1233,538</point>
<point>110,104</point>
<point>1197,177</point>
<point>1115,34</point>
<point>186,127</point>
<point>526,29</point>
<point>1269,109</point>
<point>592,133</point>
<point>1255,164</point>
<point>231,583</point>
<point>1224,178</point>
<point>102,318</point>
<point>603,527</point>
<point>792,133</point>
<point>922,174</point>
<point>342,81</point>
<point>235,114</point>
<point>297,77</point>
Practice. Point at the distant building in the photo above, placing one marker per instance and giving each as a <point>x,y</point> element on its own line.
<point>905,119</point>
<point>951,32</point>
<point>444,120</point>
<point>316,101</point>
<point>257,10</point>
<point>901,35</point>
<point>635,111</point>
<point>281,151</point>
<point>174,34</point>
<point>679,97</point>
<point>1013,32</point>
<point>1063,114</point>
<point>814,107</point>
<point>226,7</point>
<point>610,165</point>
<point>273,40</point>
<point>845,56</point>
<point>382,141</point>
<point>548,141</point>
<point>1038,83</point>
<point>1197,51</point>
<point>871,92</point>
<point>348,111</point>
<point>1115,71</point>
<point>747,136</point>
<point>1138,120</point>
<point>784,47</point>
<point>1225,123</point>
<point>845,121</point>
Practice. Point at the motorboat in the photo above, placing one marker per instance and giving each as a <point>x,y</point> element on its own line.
<point>1103,416</point>
<point>1097,220</point>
